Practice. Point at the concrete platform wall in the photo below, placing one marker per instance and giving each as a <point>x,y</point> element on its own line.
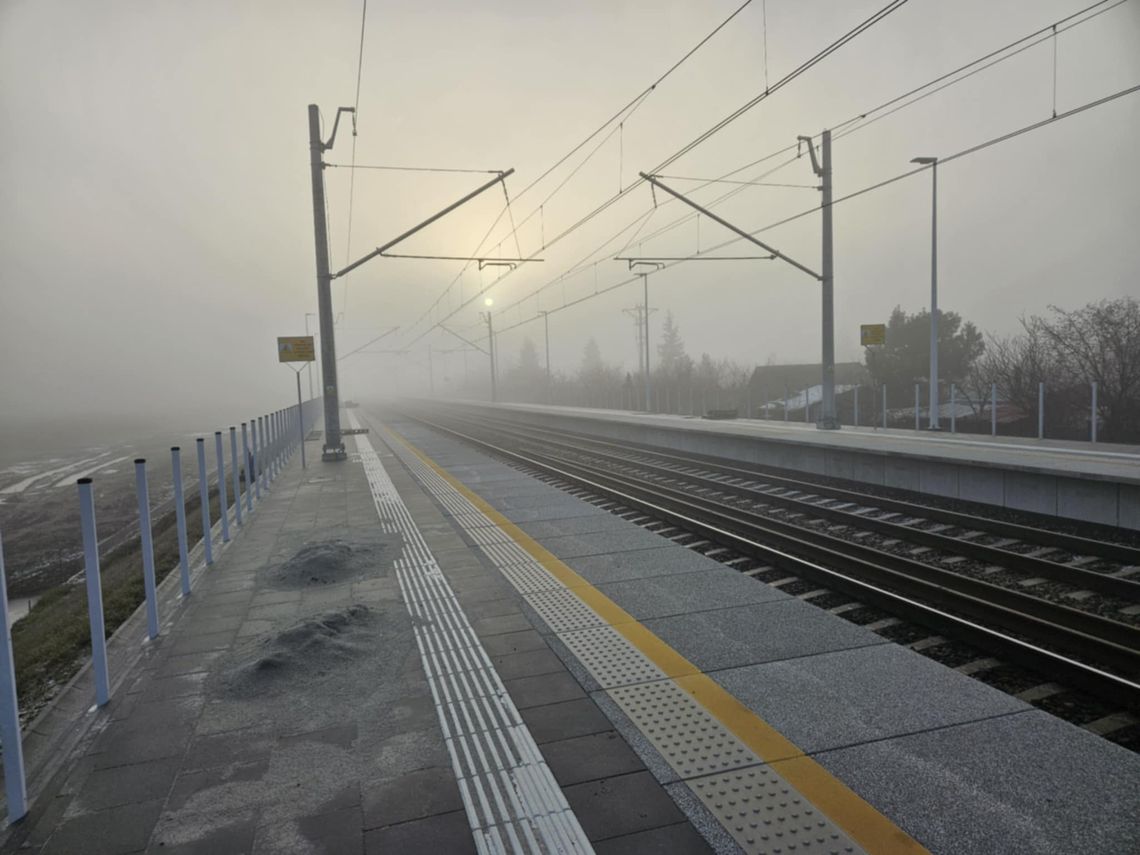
<point>1054,494</point>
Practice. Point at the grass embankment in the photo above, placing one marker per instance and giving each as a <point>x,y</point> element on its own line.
<point>53,641</point>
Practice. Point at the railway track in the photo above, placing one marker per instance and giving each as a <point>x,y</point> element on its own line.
<point>813,532</point>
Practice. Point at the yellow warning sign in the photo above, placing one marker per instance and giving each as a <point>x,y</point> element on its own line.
<point>870,334</point>
<point>295,348</point>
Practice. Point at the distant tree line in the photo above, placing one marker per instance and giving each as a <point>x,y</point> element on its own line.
<point>1067,350</point>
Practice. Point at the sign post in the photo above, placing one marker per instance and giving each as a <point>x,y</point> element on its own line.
<point>297,348</point>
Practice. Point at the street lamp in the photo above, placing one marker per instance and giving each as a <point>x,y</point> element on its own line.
<point>490,344</point>
<point>933,163</point>
<point>546,330</point>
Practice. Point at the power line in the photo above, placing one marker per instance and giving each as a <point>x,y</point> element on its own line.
<point>412,168</point>
<point>947,80</point>
<point>868,189</point>
<point>892,6</point>
<point>352,173</point>
<point>620,116</point>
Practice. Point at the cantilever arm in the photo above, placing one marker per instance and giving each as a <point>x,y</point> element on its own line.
<point>464,340</point>
<point>502,176</point>
<point>657,183</point>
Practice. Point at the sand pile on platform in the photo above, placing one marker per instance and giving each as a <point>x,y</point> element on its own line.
<point>309,649</point>
<point>330,562</point>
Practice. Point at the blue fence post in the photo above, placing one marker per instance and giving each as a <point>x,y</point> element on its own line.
<point>248,476</point>
<point>15,784</point>
<point>235,474</point>
<point>180,516</point>
<point>254,458</point>
<point>223,499</point>
<point>204,497</point>
<point>147,545</point>
<point>94,592</point>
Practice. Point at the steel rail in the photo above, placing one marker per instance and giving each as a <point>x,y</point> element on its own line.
<point>1104,583</point>
<point>955,612</point>
<point>1074,543</point>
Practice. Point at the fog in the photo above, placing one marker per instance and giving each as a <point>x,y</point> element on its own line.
<point>156,220</point>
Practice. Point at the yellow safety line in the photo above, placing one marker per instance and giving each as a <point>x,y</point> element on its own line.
<point>858,819</point>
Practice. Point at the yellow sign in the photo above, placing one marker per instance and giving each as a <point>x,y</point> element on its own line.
<point>295,348</point>
<point>870,334</point>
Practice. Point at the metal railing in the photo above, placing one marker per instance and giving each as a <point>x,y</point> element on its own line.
<point>268,442</point>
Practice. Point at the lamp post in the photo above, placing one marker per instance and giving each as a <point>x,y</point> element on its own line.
<point>310,365</point>
<point>490,345</point>
<point>933,163</point>
<point>546,333</point>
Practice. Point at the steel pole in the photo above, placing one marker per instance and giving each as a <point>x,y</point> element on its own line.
<point>309,364</point>
<point>827,417</point>
<point>993,409</point>
<point>300,421</point>
<point>1092,415</point>
<point>333,446</point>
<point>94,592</point>
<point>248,468</point>
<point>180,516</point>
<point>15,784</point>
<point>204,500</point>
<point>223,501</point>
<point>934,421</point>
<point>235,474</point>
<point>491,355</point>
<point>1040,410</point>
<point>648,382</point>
<point>147,546</point>
<point>546,335</point>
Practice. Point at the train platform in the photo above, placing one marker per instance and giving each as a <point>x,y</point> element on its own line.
<point>1094,482</point>
<point>423,649</point>
<point>1107,461</point>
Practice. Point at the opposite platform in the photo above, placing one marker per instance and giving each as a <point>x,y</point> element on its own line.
<point>1095,483</point>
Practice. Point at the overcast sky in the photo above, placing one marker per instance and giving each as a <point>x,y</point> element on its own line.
<point>156,219</point>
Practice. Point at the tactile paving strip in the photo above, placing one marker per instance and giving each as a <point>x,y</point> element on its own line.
<point>562,610</point>
<point>511,799</point>
<point>609,657</point>
<point>767,816</point>
<point>692,741</point>
<point>761,811</point>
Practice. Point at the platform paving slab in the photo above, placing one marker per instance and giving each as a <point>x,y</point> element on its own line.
<point>845,697</point>
<point>764,632</point>
<point>1023,784</point>
<point>720,587</point>
<point>640,563</point>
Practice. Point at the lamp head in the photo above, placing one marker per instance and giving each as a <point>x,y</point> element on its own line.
<point>924,160</point>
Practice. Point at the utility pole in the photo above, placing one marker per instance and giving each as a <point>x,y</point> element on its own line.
<point>546,333</point>
<point>828,420</point>
<point>333,446</point>
<point>934,405</point>
<point>491,346</point>
<point>645,336</point>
